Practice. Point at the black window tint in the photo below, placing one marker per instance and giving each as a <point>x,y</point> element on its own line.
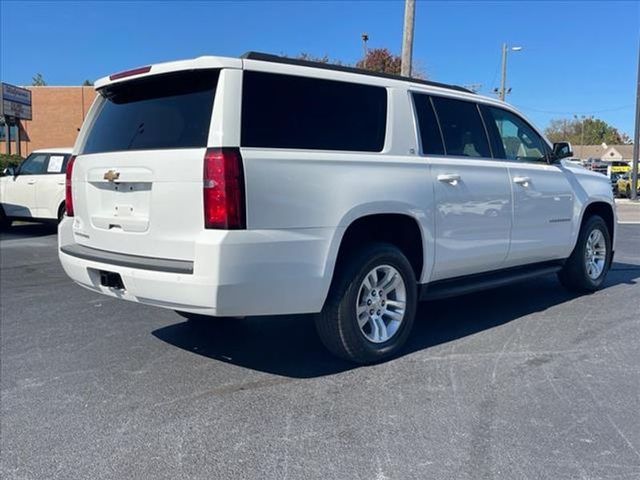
<point>283,111</point>
<point>159,112</point>
<point>519,141</point>
<point>34,164</point>
<point>428,125</point>
<point>462,128</point>
<point>497,148</point>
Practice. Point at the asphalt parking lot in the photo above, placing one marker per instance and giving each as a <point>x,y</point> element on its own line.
<point>522,382</point>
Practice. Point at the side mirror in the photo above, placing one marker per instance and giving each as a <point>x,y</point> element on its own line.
<point>10,171</point>
<point>562,150</point>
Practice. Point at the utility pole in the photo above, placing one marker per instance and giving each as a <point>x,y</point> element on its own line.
<point>407,37</point>
<point>636,140</point>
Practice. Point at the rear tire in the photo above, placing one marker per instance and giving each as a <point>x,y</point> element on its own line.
<point>345,325</point>
<point>586,268</point>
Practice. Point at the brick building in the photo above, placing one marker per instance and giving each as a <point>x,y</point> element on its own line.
<point>58,113</point>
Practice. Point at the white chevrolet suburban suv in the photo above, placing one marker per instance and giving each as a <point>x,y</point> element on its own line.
<point>264,185</point>
<point>34,190</point>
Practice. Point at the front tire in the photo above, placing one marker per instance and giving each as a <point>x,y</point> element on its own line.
<point>371,305</point>
<point>587,267</point>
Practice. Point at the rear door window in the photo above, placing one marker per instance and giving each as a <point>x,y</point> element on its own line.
<point>284,111</point>
<point>159,112</point>
<point>462,128</point>
<point>57,163</point>
<point>430,135</point>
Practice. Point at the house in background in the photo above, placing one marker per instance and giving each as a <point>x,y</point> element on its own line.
<point>608,153</point>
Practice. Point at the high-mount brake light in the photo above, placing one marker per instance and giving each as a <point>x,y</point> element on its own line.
<point>130,73</point>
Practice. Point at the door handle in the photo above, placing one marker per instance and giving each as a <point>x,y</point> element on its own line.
<point>451,178</point>
<point>524,181</point>
<point>31,182</point>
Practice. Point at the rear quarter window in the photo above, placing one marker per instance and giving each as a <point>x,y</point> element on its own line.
<point>284,111</point>
<point>159,112</point>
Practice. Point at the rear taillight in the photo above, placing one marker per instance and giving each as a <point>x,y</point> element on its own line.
<point>224,203</point>
<point>68,200</point>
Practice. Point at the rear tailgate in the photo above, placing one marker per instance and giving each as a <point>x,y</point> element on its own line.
<point>137,180</point>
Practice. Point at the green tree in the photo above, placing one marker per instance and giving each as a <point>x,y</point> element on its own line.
<point>590,131</point>
<point>87,83</point>
<point>38,80</point>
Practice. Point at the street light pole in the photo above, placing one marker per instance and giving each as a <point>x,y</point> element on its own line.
<point>503,81</point>
<point>407,37</point>
<point>502,93</point>
<point>365,39</point>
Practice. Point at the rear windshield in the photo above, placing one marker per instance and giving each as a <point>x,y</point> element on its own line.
<point>160,112</point>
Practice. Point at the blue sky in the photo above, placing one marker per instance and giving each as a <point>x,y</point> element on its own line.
<point>578,56</point>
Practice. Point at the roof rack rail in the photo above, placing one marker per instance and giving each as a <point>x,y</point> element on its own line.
<point>267,57</point>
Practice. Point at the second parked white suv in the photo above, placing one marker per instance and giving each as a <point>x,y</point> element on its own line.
<point>263,185</point>
<point>34,190</point>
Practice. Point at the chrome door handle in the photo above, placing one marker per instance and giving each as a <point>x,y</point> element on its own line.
<point>452,178</point>
<point>524,181</point>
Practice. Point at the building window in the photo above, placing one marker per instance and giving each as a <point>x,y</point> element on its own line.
<point>3,133</point>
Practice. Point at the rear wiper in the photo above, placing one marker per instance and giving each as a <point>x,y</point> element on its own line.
<point>138,131</point>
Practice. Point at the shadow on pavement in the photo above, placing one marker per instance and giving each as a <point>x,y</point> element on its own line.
<point>289,346</point>
<point>28,230</point>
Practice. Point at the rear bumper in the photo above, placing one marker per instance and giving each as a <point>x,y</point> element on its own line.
<point>235,273</point>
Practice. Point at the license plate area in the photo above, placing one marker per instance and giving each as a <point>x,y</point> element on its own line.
<point>120,205</point>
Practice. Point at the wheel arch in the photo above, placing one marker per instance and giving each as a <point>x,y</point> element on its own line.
<point>400,227</point>
<point>605,210</point>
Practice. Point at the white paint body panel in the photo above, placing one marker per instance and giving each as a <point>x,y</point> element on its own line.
<point>300,203</point>
<point>473,216</point>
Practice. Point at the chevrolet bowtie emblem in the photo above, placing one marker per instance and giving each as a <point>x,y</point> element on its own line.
<point>111,176</point>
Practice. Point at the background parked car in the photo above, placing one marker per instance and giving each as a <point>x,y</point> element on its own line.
<point>624,185</point>
<point>34,190</point>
